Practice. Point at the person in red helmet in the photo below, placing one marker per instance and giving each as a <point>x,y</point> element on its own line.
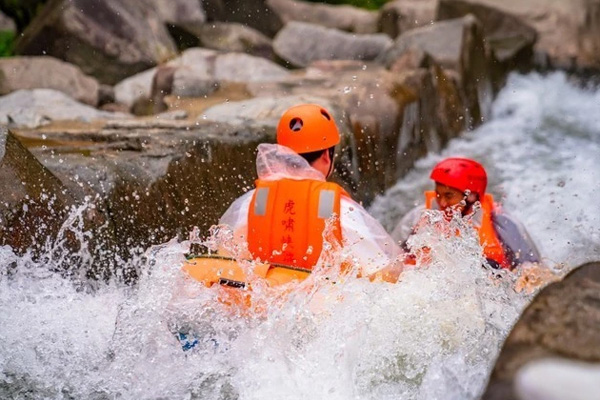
<point>460,185</point>
<point>283,219</point>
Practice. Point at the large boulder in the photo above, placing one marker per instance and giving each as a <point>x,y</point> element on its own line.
<point>198,72</point>
<point>256,14</point>
<point>342,17</point>
<point>108,39</point>
<point>34,202</point>
<point>240,67</point>
<point>399,16</point>
<point>155,179</point>
<point>393,117</point>
<point>562,321</point>
<point>568,32</point>
<point>34,108</point>
<point>264,112</point>
<point>507,35</point>
<point>234,37</point>
<point>300,44</point>
<point>47,73</point>
<point>458,46</point>
<point>178,12</point>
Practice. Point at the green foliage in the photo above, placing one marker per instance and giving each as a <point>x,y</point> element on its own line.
<point>369,4</point>
<point>7,43</point>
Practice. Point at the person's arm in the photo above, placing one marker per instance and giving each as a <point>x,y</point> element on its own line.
<point>515,240</point>
<point>406,226</point>
<point>371,246</point>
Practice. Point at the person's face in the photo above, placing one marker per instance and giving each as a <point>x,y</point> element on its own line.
<point>449,198</point>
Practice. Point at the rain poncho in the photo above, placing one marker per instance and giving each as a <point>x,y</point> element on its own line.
<point>369,245</point>
<point>515,240</point>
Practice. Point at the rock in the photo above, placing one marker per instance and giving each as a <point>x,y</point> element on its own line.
<point>394,118</point>
<point>558,379</point>
<point>187,82</point>
<point>240,67</point>
<point>510,39</point>
<point>458,46</point>
<point>173,115</point>
<point>562,321</point>
<point>568,32</point>
<point>178,12</point>
<point>341,17</point>
<point>129,90</point>
<point>156,178</point>
<point>264,112</point>
<point>34,108</point>
<point>7,24</point>
<point>34,202</point>
<point>234,37</point>
<point>300,44</point>
<point>200,72</point>
<point>47,73</point>
<point>399,16</point>
<point>256,14</point>
<point>108,39</point>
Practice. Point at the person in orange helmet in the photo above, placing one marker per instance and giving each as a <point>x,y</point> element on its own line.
<point>283,219</point>
<point>460,185</point>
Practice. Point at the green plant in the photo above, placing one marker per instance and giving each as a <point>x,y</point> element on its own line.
<point>7,43</point>
<point>369,4</point>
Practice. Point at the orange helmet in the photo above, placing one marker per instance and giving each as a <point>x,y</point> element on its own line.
<point>306,128</point>
<point>462,174</point>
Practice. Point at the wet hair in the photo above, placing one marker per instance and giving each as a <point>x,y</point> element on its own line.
<point>314,155</point>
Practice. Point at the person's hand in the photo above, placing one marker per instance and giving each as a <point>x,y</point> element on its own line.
<point>390,274</point>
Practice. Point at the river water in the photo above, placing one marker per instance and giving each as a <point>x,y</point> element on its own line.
<point>434,335</point>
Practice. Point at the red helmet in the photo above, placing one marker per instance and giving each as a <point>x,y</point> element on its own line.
<point>462,174</point>
<point>306,128</point>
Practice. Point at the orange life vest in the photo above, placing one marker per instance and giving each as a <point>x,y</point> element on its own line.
<point>287,218</point>
<point>492,247</point>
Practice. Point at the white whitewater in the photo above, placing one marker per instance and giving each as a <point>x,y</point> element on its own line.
<point>434,335</point>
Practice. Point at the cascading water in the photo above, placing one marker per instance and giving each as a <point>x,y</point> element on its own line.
<point>433,335</point>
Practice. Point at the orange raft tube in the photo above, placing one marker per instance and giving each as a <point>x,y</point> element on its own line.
<point>227,272</point>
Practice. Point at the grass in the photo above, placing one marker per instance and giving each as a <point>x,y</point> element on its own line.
<point>7,43</point>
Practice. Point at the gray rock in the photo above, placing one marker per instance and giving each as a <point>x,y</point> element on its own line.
<point>263,111</point>
<point>508,36</point>
<point>157,177</point>
<point>108,39</point>
<point>47,73</point>
<point>34,108</point>
<point>256,14</point>
<point>234,37</point>
<point>131,89</point>
<point>457,45</point>
<point>568,32</point>
<point>7,24</point>
<point>192,82</point>
<point>34,202</point>
<point>178,12</point>
<point>562,321</point>
<point>240,67</point>
<point>301,43</point>
<point>342,17</point>
<point>399,16</point>
<point>198,58</point>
